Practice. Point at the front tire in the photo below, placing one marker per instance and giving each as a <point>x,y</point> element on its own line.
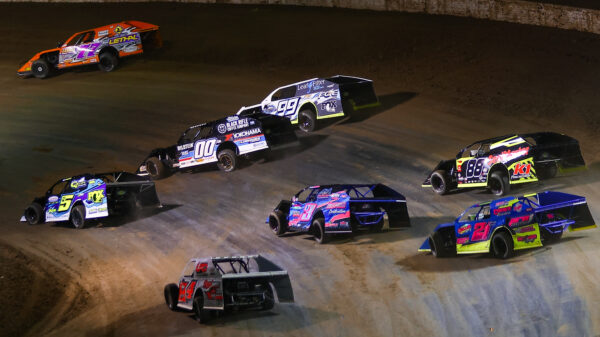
<point>107,61</point>
<point>171,296</point>
<point>78,216</point>
<point>502,245</point>
<point>436,244</point>
<point>227,160</point>
<point>278,223</point>
<point>318,227</point>
<point>34,213</point>
<point>156,168</point>
<point>40,68</point>
<point>269,301</point>
<point>307,121</point>
<point>439,182</point>
<point>498,184</point>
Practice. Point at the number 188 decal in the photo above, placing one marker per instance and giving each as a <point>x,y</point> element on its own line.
<point>204,148</point>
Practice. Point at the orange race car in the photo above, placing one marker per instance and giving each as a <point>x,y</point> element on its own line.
<point>102,45</point>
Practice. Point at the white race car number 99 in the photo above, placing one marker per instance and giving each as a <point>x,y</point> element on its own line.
<point>204,148</point>
<point>286,108</point>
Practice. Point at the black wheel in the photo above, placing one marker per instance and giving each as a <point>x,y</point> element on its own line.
<point>375,228</point>
<point>155,168</point>
<point>227,160</point>
<point>40,68</point>
<point>439,182</point>
<point>547,170</point>
<point>307,121</point>
<point>34,213</point>
<point>278,222</point>
<point>78,216</point>
<point>498,183</point>
<point>202,315</point>
<point>318,227</point>
<point>436,243</point>
<point>172,295</point>
<point>269,300</point>
<point>135,206</point>
<point>550,237</point>
<point>502,245</point>
<point>52,58</point>
<point>107,61</point>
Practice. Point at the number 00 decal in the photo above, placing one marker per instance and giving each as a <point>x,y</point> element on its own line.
<point>205,148</point>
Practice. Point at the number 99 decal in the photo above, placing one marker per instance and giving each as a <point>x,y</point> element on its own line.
<point>286,108</point>
<point>204,148</point>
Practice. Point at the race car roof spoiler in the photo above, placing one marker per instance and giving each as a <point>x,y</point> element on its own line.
<point>571,210</point>
<point>359,92</point>
<point>144,188</point>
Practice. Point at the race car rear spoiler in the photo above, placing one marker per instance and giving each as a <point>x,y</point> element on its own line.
<point>356,91</point>
<point>268,272</point>
<point>558,210</point>
<point>144,188</point>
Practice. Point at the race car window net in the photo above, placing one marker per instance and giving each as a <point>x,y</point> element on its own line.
<point>284,93</point>
<point>470,214</point>
<point>58,187</point>
<point>361,192</point>
<point>303,195</point>
<point>189,268</point>
<point>77,39</point>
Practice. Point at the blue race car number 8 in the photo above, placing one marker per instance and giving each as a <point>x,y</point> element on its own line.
<point>205,148</point>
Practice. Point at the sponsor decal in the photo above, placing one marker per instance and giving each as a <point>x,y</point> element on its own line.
<point>96,196</point>
<point>520,220</point>
<point>462,241</point>
<point>522,170</point>
<point>201,267</point>
<point>312,85</point>
<point>233,125</point>
<point>53,198</point>
<point>329,106</point>
<point>118,29</point>
<point>122,39</point>
<point>527,238</point>
<point>464,229</point>
<point>336,205</point>
<point>221,128</point>
<point>246,133</point>
<point>78,183</point>
<point>518,207</point>
<point>131,48</point>
<point>503,210</point>
<point>185,147</point>
<point>507,155</point>
<point>103,33</point>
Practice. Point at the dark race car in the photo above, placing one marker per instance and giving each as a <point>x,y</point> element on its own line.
<point>88,196</point>
<point>333,209</point>
<point>502,226</point>
<point>500,162</point>
<point>221,141</point>
<point>306,102</point>
<point>216,284</point>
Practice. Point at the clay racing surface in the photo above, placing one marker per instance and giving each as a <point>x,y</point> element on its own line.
<point>442,82</point>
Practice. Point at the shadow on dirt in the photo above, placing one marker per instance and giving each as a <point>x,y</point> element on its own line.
<point>120,220</point>
<point>426,262</point>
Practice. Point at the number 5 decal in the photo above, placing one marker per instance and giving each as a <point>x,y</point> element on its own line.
<point>204,148</point>
<point>65,203</point>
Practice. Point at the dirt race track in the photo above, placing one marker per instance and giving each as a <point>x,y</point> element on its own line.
<point>443,83</point>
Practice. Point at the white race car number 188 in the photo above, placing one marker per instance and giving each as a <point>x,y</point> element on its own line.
<point>286,108</point>
<point>204,148</point>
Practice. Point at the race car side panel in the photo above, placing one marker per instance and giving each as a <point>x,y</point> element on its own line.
<point>93,197</point>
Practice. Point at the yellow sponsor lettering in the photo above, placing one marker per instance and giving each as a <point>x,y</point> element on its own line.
<point>96,196</point>
<point>123,39</point>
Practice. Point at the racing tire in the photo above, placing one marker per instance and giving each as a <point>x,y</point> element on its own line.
<point>548,170</point>
<point>227,160</point>
<point>155,168</point>
<point>318,227</point>
<point>107,61</point>
<point>498,184</point>
<point>172,296</point>
<point>34,213</point>
<point>436,244</point>
<point>269,300</point>
<point>77,217</point>
<point>134,207</point>
<point>202,315</point>
<point>439,182</point>
<point>277,223</point>
<point>307,121</point>
<point>502,245</point>
<point>378,227</point>
<point>40,68</point>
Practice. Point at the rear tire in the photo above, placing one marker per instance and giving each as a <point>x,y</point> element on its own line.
<point>78,216</point>
<point>202,315</point>
<point>40,68</point>
<point>547,170</point>
<point>498,183</point>
<point>278,223</point>
<point>307,121</point>
<point>502,245</point>
<point>227,160</point>
<point>155,168</point>
<point>107,61</point>
<point>269,301</point>
<point>378,227</point>
<point>172,296</point>
<point>439,182</point>
<point>318,227</point>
